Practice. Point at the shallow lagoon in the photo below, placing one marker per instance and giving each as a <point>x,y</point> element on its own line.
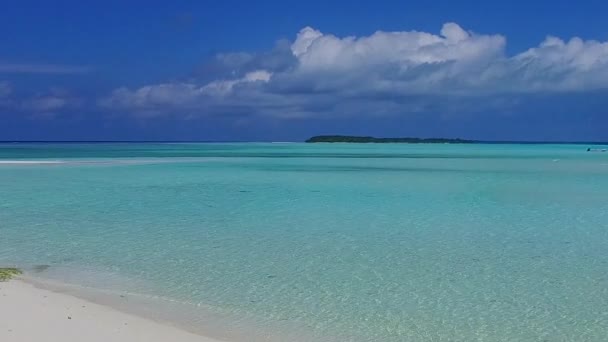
<point>346,242</point>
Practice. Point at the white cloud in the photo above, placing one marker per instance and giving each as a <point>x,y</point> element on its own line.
<point>556,65</point>
<point>185,97</point>
<point>226,86</point>
<point>45,104</point>
<point>306,37</point>
<point>385,72</point>
<point>315,50</point>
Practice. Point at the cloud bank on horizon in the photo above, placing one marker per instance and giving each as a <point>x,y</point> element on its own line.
<point>320,75</point>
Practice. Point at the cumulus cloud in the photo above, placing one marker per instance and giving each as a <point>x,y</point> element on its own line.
<point>22,68</point>
<point>182,97</point>
<point>557,65</point>
<point>45,104</point>
<point>317,51</point>
<point>385,73</point>
<point>54,101</point>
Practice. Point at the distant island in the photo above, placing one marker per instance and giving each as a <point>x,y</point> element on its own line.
<point>359,139</point>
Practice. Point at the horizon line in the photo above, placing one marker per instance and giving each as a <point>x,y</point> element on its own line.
<point>471,141</point>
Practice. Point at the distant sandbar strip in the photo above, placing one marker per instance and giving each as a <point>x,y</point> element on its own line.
<point>30,162</point>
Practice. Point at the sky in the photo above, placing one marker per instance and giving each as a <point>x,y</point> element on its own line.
<point>287,70</point>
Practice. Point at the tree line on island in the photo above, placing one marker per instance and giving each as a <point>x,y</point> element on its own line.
<point>362,139</point>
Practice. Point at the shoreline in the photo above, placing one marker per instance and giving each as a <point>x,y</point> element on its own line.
<point>167,318</point>
<point>59,316</point>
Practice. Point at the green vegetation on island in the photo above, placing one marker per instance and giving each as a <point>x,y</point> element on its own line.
<point>359,139</point>
<point>6,273</point>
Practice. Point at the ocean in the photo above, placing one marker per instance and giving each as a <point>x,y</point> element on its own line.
<point>322,242</point>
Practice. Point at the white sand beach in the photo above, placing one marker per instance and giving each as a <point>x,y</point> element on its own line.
<point>32,314</point>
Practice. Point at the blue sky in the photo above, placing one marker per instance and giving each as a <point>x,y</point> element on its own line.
<point>285,70</point>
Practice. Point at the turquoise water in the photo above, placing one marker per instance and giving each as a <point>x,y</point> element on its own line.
<point>346,242</point>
